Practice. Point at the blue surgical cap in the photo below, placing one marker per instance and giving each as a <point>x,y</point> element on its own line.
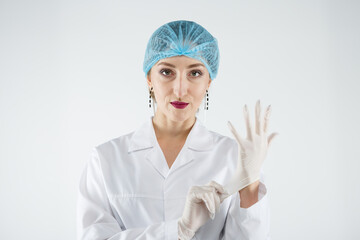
<point>182,38</point>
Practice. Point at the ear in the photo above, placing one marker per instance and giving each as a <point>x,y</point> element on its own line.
<point>209,82</point>
<point>148,80</point>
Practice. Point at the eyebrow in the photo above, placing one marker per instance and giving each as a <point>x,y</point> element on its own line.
<point>190,66</point>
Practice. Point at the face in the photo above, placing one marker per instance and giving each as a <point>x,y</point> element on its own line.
<point>178,78</point>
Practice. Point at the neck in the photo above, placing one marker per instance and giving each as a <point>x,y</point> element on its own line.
<point>166,128</point>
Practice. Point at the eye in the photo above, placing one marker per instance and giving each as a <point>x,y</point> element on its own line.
<point>196,71</point>
<point>166,71</point>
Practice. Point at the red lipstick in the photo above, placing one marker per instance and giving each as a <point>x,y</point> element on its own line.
<point>179,105</point>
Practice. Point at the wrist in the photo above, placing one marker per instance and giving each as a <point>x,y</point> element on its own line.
<point>249,195</point>
<point>251,188</point>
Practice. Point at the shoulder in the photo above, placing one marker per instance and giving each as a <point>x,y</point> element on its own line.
<point>114,145</point>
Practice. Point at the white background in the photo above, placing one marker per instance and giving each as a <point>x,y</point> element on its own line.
<point>71,78</point>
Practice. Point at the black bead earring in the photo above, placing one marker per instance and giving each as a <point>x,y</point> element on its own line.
<point>206,105</point>
<point>150,97</point>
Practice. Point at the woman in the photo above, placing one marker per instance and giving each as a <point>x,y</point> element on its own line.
<point>172,178</point>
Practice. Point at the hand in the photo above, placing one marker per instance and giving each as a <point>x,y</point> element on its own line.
<point>252,150</point>
<point>202,202</point>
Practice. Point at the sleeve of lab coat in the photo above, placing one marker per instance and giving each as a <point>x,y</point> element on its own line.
<point>95,219</point>
<point>251,223</point>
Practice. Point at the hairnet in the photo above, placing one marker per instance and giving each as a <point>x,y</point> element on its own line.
<point>183,38</point>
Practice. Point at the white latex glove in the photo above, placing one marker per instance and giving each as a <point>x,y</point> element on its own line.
<point>252,150</point>
<point>202,202</point>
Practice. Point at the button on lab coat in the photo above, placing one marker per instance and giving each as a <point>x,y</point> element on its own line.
<point>127,191</point>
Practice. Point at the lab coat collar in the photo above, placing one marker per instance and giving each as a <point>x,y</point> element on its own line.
<point>199,138</point>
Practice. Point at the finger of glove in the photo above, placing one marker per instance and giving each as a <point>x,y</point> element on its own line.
<point>215,197</point>
<point>216,201</point>
<point>221,191</point>
<point>201,198</point>
<point>209,201</point>
<point>200,189</point>
<point>266,118</point>
<point>236,135</point>
<point>194,194</point>
<point>223,197</point>
<point>217,186</point>
<point>258,121</point>
<point>271,137</point>
<point>248,124</point>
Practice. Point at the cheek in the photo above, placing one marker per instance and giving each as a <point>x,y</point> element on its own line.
<point>162,93</point>
<point>199,95</point>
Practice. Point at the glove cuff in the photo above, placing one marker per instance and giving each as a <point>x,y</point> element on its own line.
<point>184,232</point>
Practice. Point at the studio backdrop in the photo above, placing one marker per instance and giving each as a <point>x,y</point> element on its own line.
<point>71,78</point>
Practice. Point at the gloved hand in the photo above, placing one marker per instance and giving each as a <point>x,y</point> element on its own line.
<point>202,202</point>
<point>252,150</point>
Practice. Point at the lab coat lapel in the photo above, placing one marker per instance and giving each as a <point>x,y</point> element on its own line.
<point>198,140</point>
<point>158,161</point>
<point>145,138</point>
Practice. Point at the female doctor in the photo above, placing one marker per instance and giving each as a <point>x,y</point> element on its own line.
<point>173,178</point>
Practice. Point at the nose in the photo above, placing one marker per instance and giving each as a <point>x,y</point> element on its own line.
<point>180,86</point>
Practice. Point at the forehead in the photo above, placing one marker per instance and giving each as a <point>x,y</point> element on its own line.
<point>180,61</point>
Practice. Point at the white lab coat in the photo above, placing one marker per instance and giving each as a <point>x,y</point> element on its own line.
<point>127,190</point>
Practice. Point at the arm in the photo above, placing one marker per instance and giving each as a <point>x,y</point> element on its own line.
<point>249,195</point>
<point>95,220</point>
<point>248,220</point>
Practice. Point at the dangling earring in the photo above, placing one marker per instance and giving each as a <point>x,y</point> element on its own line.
<point>206,105</point>
<point>150,97</point>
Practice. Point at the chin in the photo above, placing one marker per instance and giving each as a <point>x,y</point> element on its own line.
<point>180,116</point>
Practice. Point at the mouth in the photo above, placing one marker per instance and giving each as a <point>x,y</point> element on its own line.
<point>179,105</point>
